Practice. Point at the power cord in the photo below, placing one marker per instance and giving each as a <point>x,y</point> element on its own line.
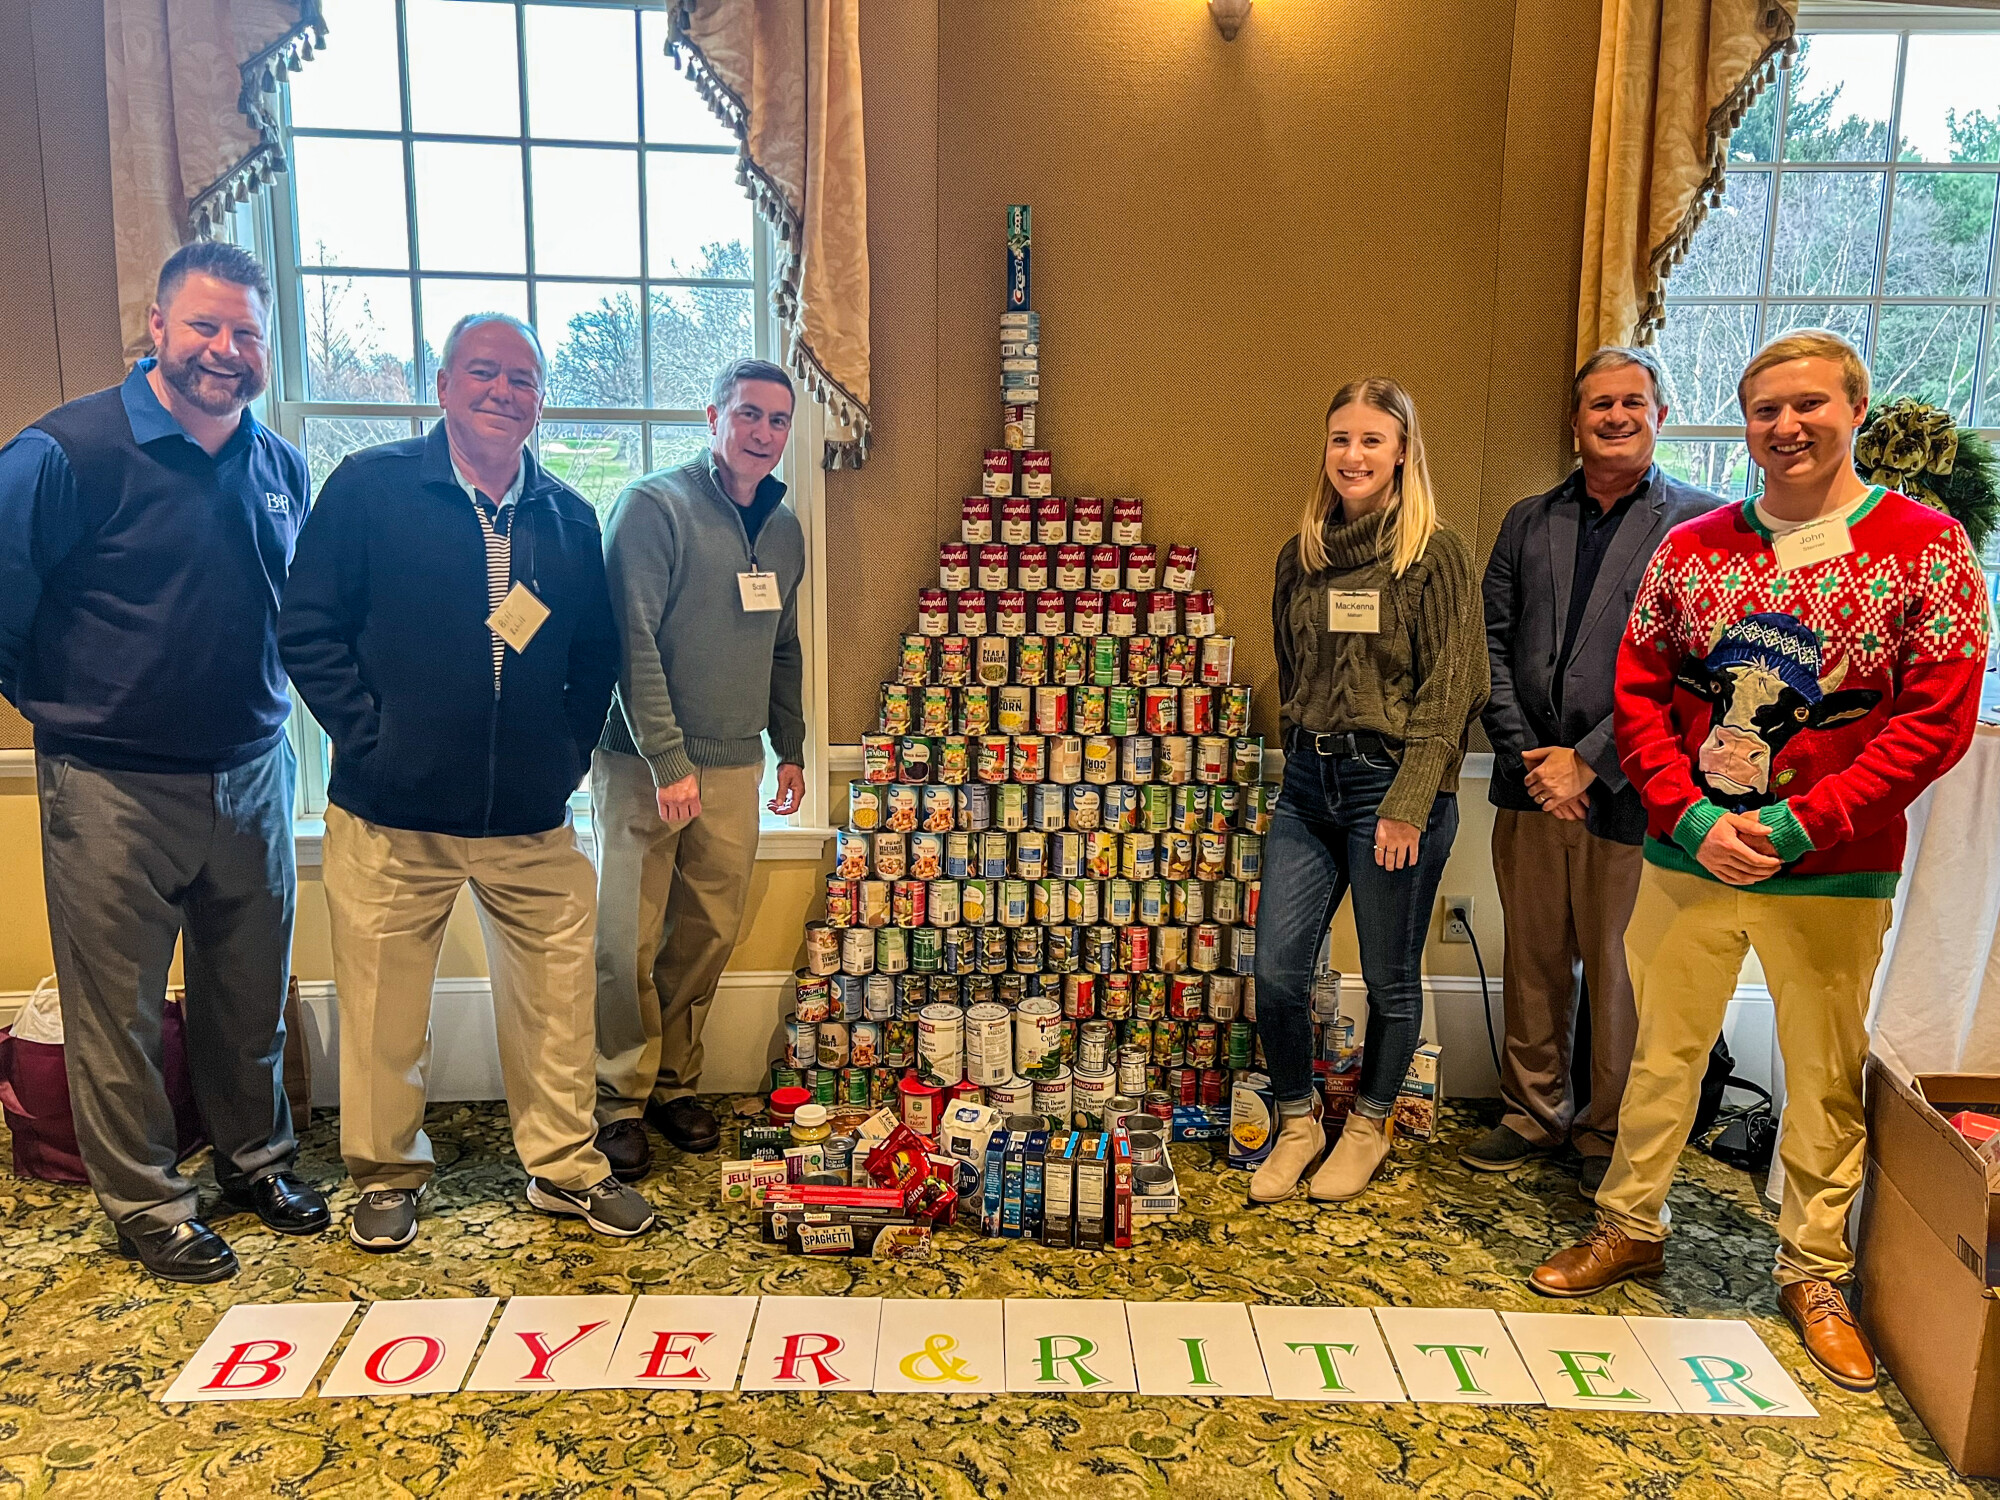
<point>1485,999</point>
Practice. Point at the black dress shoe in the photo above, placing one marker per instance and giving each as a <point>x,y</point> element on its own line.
<point>189,1252</point>
<point>685,1124</point>
<point>285,1201</point>
<point>624,1145</point>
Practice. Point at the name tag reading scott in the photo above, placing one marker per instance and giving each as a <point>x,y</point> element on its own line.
<point>1814,543</point>
<point>519,616</point>
<point>759,591</point>
<point>1355,610</point>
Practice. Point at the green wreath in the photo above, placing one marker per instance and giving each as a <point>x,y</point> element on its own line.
<point>1918,449</point>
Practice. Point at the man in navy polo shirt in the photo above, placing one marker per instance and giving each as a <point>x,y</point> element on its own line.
<point>145,532</point>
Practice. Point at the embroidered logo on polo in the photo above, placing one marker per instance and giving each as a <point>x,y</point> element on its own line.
<point>275,501</point>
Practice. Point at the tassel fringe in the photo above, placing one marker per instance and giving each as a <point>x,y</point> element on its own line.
<point>256,99</point>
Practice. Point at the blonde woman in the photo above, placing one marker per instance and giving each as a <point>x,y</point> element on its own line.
<point>1381,665</point>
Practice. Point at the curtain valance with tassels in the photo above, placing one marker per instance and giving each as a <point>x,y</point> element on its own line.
<point>785,76</point>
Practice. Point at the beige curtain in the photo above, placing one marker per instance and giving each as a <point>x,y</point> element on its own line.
<point>785,76</point>
<point>192,86</point>
<point>1674,78</point>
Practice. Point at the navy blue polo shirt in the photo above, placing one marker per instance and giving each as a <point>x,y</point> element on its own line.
<point>140,580</point>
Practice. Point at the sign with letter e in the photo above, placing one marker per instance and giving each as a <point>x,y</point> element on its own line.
<point>682,1343</point>
<point>266,1352</point>
<point>1586,1363</point>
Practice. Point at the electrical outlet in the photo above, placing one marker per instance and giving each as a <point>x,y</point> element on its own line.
<point>1457,919</point>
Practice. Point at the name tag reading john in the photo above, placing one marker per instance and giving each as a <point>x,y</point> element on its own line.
<point>519,616</point>
<point>759,591</point>
<point>1811,544</point>
<point>1358,610</point>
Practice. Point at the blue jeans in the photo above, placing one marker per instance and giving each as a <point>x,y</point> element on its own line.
<point>1322,844</point>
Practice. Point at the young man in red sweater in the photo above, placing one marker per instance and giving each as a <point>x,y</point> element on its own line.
<point>1795,671</point>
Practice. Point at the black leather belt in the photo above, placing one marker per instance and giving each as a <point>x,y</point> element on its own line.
<point>1346,743</point>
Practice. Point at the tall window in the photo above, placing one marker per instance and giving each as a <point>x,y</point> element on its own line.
<point>545,160</point>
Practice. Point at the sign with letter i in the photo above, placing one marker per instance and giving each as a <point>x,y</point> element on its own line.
<point>1325,1354</point>
<point>1195,1349</point>
<point>261,1353</point>
<point>1456,1355</point>
<point>1719,1367</point>
<point>551,1344</point>
<point>682,1343</point>
<point>813,1344</point>
<point>1068,1345</point>
<point>1585,1363</point>
<point>413,1348</point>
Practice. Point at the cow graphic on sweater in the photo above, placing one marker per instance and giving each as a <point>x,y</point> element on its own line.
<point>1762,677</point>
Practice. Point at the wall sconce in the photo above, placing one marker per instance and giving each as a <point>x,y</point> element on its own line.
<point>1229,16</point>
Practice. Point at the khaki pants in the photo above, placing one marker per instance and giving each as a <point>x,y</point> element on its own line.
<point>389,893</point>
<point>1686,945</point>
<point>1566,895</point>
<point>670,903</point>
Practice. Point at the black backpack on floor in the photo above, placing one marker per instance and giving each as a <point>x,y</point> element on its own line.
<point>1749,1132</point>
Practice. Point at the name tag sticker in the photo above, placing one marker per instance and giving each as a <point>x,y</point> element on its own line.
<point>759,591</point>
<point>1354,609</point>
<point>1814,543</point>
<point>519,616</point>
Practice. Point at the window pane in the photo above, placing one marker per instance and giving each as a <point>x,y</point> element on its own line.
<point>1840,90</point>
<point>355,83</point>
<point>1951,98</point>
<point>1927,352</point>
<point>469,208</point>
<point>1721,468</point>
<point>357,337</point>
<point>1727,257</point>
<point>698,218</point>
<point>675,445</point>
<point>330,439</point>
<point>446,300</point>
<point>1705,348</point>
<point>675,113</point>
<point>586,212</point>
<point>696,331</point>
<point>591,335</point>
<point>1989,404</point>
<point>1848,319</point>
<point>1940,230</point>
<point>350,203</point>
<point>464,68</point>
<point>582,74</point>
<point>596,459</point>
<point>1828,225</point>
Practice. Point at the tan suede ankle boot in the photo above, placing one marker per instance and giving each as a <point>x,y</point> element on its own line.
<point>1300,1141</point>
<point>1356,1157</point>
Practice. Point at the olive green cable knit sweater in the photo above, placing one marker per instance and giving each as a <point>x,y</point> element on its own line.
<point>1419,681</point>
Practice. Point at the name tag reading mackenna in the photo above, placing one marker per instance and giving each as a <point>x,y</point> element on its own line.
<point>759,591</point>
<point>1357,610</point>
<point>1814,543</point>
<point>519,616</point>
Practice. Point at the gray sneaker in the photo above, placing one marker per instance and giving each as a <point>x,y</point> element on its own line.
<point>1501,1149</point>
<point>385,1219</point>
<point>609,1207</point>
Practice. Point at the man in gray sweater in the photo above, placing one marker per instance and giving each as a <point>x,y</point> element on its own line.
<point>704,563</point>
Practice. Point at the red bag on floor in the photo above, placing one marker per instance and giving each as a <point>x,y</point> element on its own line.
<point>34,1094</point>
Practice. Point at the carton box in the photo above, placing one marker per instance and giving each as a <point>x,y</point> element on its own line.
<point>1417,1100</point>
<point>1059,1191</point>
<point>1092,1195</point>
<point>1121,1190</point>
<point>1930,1258</point>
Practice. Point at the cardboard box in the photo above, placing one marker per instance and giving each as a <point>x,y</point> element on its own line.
<point>1059,1219</point>
<point>1417,1100</point>
<point>1092,1191</point>
<point>1930,1259</point>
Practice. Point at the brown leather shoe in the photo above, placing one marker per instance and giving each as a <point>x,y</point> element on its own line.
<point>1605,1257</point>
<point>1833,1340</point>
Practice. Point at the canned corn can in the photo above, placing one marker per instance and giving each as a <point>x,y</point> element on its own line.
<point>864,805</point>
<point>1100,759</point>
<point>1011,709</point>
<point>975,901</point>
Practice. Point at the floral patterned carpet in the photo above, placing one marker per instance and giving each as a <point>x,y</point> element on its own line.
<point>86,1340</point>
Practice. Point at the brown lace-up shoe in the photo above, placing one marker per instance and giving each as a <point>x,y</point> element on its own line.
<point>1605,1257</point>
<point>1833,1340</point>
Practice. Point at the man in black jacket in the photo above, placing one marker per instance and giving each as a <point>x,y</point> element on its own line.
<point>447,622</point>
<point>1567,825</point>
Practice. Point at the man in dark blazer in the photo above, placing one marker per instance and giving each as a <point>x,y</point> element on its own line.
<point>1567,826</point>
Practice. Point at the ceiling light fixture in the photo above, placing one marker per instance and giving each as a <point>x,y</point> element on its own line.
<point>1229,16</point>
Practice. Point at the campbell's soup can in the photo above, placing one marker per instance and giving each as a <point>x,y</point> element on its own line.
<point>970,609</point>
<point>1052,521</point>
<point>1142,568</point>
<point>1010,617</point>
<point>1017,521</point>
<point>933,613</point>
<point>1142,660</point>
<point>994,570</point>
<point>1086,520</point>
<point>975,520</point>
<point>1162,612</point>
<point>1031,660</point>
<point>996,476</point>
<point>1127,516</point>
<point>1121,613</point>
<point>1181,558</point>
<point>1037,473</point>
<point>1031,567</point>
<point>1017,425</point>
<point>1086,613</point>
<point>1051,612</point>
<point>1218,659</point>
<point>1072,562</point>
<point>1200,613</point>
<point>954,566</point>
<point>995,660</point>
<point>1106,573</point>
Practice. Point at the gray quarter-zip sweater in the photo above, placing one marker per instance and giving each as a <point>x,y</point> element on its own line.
<point>702,678</point>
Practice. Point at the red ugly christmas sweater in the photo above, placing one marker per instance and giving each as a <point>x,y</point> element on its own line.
<point>1822,700</point>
